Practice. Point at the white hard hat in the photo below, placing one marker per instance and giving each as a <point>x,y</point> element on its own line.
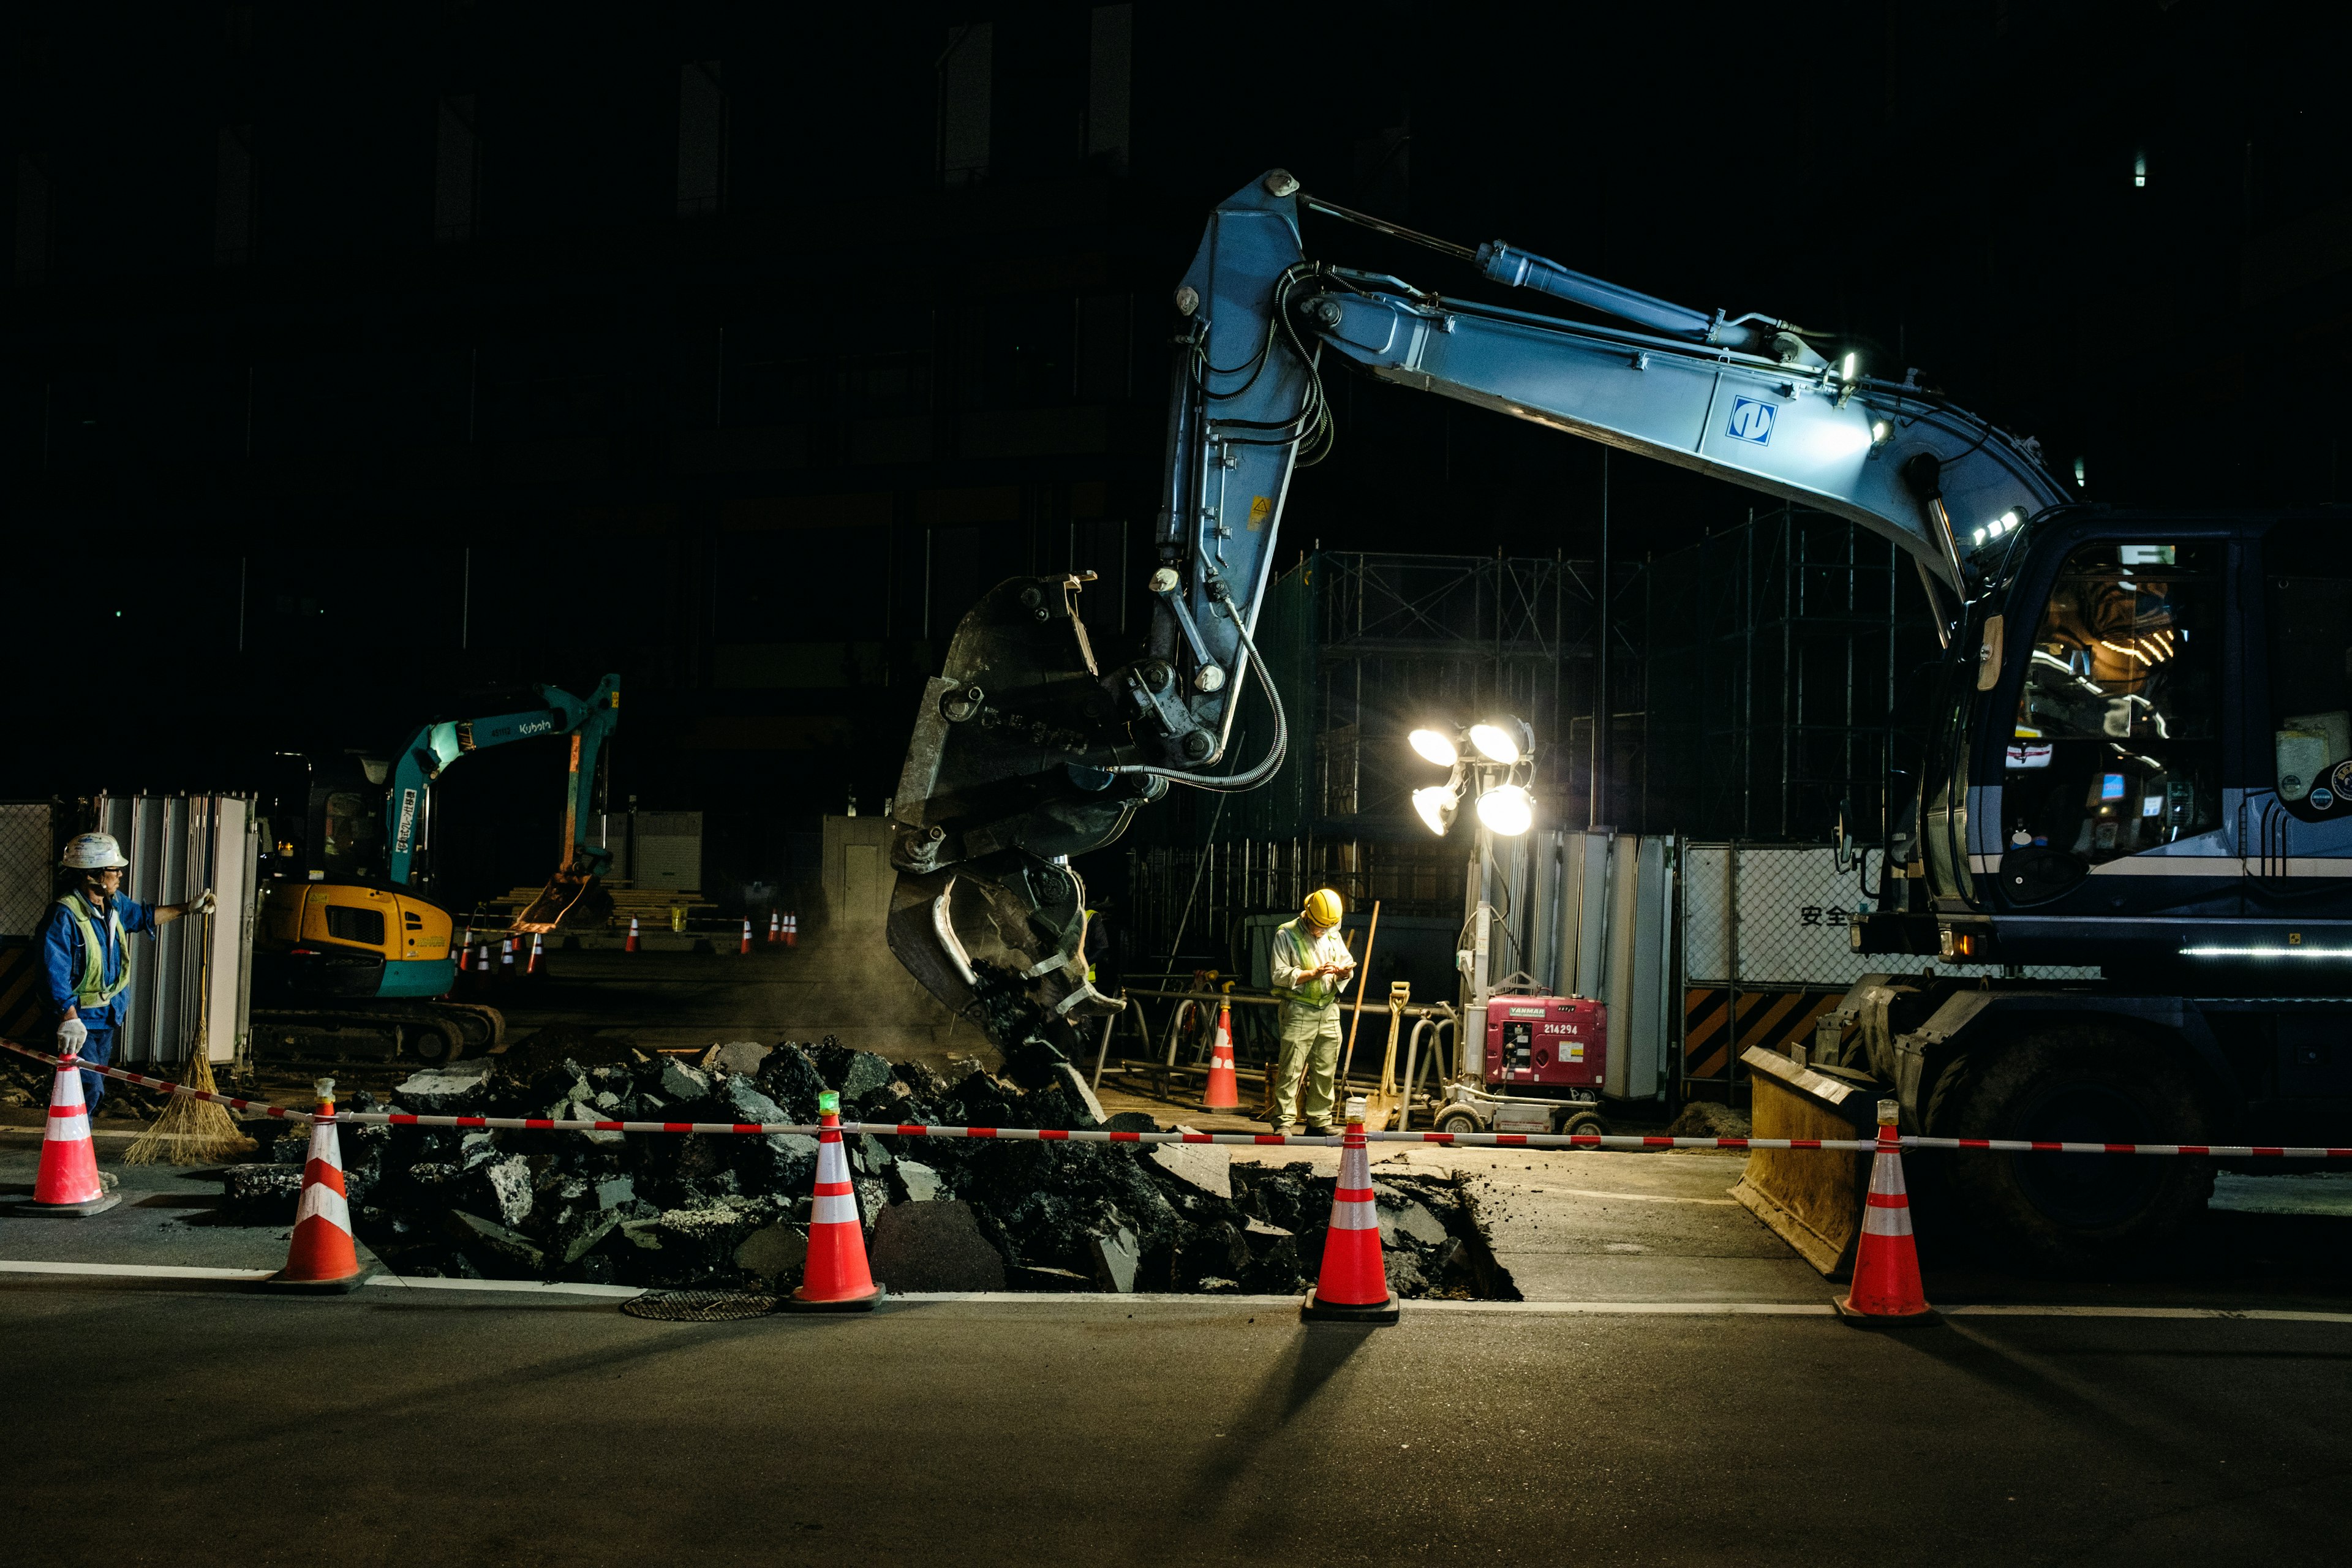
<point>93,852</point>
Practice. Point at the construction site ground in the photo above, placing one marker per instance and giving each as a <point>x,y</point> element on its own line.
<point>1673,1386</point>
<point>1676,1390</point>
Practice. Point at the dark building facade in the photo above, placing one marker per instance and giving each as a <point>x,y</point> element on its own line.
<point>361,361</point>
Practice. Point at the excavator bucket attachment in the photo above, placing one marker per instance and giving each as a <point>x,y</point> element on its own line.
<point>1007,775</point>
<point>570,899</point>
<point>1812,1199</point>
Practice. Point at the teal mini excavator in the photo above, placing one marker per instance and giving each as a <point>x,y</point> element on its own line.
<point>350,944</point>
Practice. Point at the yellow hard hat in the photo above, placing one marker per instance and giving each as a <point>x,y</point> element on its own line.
<point>1323,907</point>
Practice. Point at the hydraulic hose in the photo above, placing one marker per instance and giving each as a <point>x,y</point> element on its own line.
<point>1265,770</point>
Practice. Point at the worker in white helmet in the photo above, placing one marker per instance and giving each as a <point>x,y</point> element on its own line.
<point>1311,968</point>
<point>84,957</point>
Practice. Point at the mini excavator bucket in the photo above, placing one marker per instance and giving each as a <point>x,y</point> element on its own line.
<point>1006,777</point>
<point>570,899</point>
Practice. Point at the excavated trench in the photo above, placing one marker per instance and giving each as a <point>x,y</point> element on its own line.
<point>715,1212</point>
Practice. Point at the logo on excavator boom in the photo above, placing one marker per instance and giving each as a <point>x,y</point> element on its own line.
<point>1751,420</point>
<point>407,828</point>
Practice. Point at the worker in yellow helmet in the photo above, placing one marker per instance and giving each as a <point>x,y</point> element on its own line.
<point>1311,968</point>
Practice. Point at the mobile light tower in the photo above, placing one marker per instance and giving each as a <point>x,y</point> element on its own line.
<point>1492,763</point>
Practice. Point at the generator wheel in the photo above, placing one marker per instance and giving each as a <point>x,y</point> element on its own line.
<point>1459,1118</point>
<point>2073,1083</point>
<point>1584,1124</point>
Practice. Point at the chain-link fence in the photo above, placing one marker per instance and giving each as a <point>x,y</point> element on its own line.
<point>27,855</point>
<point>1782,915</point>
<point>1767,946</point>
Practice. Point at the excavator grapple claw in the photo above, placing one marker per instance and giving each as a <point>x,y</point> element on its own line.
<point>1008,774</point>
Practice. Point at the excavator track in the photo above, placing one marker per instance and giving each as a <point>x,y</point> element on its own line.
<point>377,1031</point>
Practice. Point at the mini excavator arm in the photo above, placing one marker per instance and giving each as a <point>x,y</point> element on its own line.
<point>588,721</point>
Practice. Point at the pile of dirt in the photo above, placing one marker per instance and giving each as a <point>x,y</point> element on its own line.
<point>705,1211</point>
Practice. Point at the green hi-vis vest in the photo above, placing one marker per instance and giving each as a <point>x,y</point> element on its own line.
<point>93,991</point>
<point>1320,992</point>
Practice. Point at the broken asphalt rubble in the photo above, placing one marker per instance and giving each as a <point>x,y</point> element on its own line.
<point>941,1214</point>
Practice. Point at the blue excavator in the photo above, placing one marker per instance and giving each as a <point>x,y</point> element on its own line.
<point>350,946</point>
<point>2139,764</point>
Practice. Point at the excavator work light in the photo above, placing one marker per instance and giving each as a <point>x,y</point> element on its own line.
<point>1435,746</point>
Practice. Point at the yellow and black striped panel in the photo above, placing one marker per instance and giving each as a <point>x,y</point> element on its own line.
<point>1775,1019</point>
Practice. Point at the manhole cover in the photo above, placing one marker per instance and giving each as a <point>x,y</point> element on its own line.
<point>698,1306</point>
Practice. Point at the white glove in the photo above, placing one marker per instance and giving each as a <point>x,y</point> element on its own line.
<point>204,903</point>
<point>71,1035</point>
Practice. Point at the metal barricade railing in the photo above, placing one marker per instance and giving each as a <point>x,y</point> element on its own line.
<point>1435,1021</point>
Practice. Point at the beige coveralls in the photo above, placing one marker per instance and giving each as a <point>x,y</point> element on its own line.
<point>1310,1021</point>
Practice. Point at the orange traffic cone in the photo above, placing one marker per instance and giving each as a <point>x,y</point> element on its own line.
<point>746,948</point>
<point>631,945</point>
<point>67,1183</point>
<point>791,931</point>
<point>506,960</point>
<point>1224,1091</point>
<point>775,929</point>
<point>1886,1289</point>
<point>1353,1285</point>
<point>536,967</point>
<point>322,1257</point>
<point>835,1278</point>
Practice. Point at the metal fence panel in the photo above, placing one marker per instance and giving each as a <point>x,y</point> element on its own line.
<point>181,987</point>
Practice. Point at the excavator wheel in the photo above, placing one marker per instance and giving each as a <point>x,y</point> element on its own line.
<point>2076,1083</point>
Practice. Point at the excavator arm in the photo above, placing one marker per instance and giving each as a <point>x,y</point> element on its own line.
<point>1027,750</point>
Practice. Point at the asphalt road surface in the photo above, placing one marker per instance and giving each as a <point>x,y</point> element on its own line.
<point>166,1423</point>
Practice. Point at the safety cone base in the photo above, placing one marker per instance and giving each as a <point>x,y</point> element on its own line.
<point>795,1302</point>
<point>1316,1310</point>
<point>31,1210</point>
<point>1862,1319</point>
<point>316,1287</point>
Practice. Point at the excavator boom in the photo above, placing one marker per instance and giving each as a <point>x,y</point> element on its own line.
<point>1027,750</point>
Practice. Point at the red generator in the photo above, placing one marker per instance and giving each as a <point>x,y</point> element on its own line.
<point>1558,1042</point>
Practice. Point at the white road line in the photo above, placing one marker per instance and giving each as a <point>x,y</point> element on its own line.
<point>1092,1298</point>
<point>2258,1314</point>
<point>133,1270</point>
<point>516,1287</point>
<point>1637,1308</point>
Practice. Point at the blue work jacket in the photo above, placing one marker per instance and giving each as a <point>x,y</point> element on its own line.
<point>62,958</point>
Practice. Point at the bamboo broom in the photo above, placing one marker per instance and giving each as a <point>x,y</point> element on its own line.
<point>192,1132</point>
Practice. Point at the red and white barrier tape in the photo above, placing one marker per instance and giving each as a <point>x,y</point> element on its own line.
<point>1279,1140</point>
